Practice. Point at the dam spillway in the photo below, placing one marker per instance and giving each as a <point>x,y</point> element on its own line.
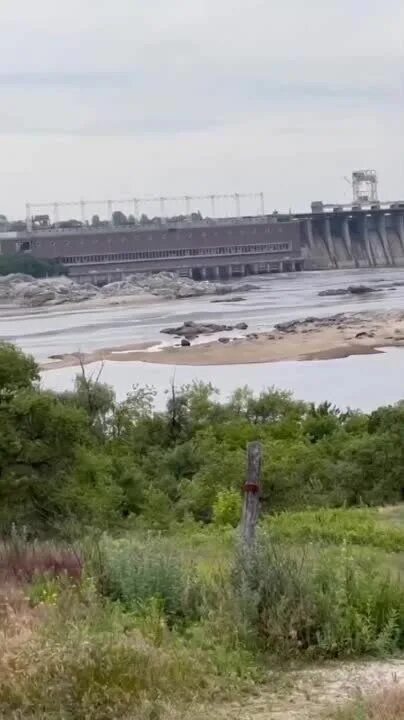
<point>347,239</point>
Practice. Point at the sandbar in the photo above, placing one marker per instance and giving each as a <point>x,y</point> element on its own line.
<point>337,336</point>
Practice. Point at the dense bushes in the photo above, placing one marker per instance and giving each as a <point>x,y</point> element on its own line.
<point>80,458</point>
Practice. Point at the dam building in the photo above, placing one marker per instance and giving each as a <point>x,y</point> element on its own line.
<point>362,233</point>
<point>203,249</point>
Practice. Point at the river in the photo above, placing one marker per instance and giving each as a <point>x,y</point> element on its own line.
<point>362,381</point>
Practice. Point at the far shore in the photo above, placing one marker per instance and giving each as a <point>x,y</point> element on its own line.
<point>94,303</point>
<point>338,336</point>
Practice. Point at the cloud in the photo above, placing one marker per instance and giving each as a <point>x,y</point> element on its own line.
<point>254,83</point>
<point>191,99</point>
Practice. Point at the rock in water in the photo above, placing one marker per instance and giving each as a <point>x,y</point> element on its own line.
<point>191,329</point>
<point>330,293</point>
<point>185,342</point>
<point>229,300</point>
<point>351,290</point>
<point>361,289</point>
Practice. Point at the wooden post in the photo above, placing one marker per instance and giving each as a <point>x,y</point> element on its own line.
<point>252,492</point>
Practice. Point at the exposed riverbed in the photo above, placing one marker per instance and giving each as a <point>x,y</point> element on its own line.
<point>57,330</point>
<point>356,381</point>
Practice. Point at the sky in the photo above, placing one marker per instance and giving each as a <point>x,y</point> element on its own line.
<point>109,99</point>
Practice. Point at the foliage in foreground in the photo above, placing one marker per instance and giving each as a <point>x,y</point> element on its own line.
<point>323,603</point>
<point>152,625</point>
<point>99,666</point>
<point>138,623</point>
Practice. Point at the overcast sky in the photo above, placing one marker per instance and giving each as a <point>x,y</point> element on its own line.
<point>117,98</point>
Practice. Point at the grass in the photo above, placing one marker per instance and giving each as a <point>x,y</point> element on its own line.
<point>23,560</point>
<point>151,625</point>
<point>101,668</point>
<point>364,527</point>
<point>388,705</point>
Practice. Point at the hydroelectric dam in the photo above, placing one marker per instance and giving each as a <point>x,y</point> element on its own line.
<point>362,233</point>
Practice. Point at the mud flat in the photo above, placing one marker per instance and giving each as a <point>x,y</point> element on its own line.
<point>312,338</point>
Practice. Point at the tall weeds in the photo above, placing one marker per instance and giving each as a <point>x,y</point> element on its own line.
<point>97,669</point>
<point>320,603</point>
<point>136,573</point>
<point>22,559</point>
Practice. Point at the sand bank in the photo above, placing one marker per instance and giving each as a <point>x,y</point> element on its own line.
<point>338,336</point>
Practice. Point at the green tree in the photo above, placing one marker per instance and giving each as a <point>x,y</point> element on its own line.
<point>39,439</point>
<point>29,265</point>
<point>119,218</point>
<point>17,370</point>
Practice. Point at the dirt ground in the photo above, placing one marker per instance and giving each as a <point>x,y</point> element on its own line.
<point>312,694</point>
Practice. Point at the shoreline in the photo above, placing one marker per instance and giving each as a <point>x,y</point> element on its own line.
<point>10,309</point>
<point>333,337</point>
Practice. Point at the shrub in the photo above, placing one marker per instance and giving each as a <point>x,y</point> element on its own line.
<point>325,604</point>
<point>157,510</point>
<point>135,573</point>
<point>227,508</point>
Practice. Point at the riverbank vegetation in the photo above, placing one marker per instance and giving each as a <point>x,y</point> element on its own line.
<point>29,265</point>
<point>125,591</point>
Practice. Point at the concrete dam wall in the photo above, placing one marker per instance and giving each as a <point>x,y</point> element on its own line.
<point>353,240</point>
<point>329,237</point>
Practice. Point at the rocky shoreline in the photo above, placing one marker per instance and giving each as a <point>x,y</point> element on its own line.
<point>27,291</point>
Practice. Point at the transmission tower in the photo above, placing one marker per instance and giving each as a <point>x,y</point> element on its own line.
<point>364,186</point>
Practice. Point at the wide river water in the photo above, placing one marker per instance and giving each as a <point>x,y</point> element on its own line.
<point>361,381</point>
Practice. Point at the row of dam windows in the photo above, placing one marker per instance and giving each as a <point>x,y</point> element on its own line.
<point>173,232</point>
<point>186,252</point>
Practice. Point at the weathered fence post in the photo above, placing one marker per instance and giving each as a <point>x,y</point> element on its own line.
<point>252,492</point>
